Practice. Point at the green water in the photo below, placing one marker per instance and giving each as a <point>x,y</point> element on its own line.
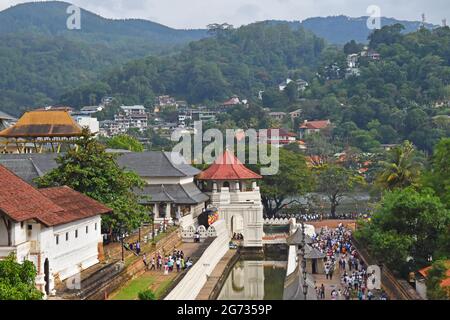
<point>255,280</point>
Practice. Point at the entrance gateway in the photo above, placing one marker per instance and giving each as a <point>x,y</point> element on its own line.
<point>233,190</point>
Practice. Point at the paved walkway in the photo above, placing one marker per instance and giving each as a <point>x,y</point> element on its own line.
<point>160,281</point>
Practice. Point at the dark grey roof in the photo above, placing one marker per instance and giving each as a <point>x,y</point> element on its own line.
<point>173,193</point>
<point>145,164</point>
<point>296,238</point>
<point>293,286</point>
<point>29,166</point>
<point>6,116</point>
<point>313,253</point>
<point>157,164</point>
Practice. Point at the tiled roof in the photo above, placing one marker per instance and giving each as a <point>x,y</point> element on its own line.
<point>145,164</point>
<point>157,164</point>
<point>173,193</point>
<point>228,167</point>
<point>76,205</point>
<point>43,124</point>
<point>6,116</point>
<point>20,201</point>
<point>281,133</point>
<point>321,124</point>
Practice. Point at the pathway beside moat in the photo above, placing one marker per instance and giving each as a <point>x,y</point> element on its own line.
<point>156,280</point>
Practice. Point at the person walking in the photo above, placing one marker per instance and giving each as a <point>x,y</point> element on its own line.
<point>144,260</point>
<point>138,248</point>
<point>153,267</point>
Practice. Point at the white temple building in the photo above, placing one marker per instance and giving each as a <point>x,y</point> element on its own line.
<point>234,192</point>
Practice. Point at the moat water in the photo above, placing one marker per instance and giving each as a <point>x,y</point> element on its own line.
<point>255,279</point>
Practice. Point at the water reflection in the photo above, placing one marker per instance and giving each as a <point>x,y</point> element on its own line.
<point>255,280</point>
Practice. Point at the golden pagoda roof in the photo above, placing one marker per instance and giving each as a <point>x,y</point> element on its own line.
<point>43,123</point>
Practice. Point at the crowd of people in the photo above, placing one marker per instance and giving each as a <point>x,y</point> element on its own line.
<point>309,217</point>
<point>336,244</point>
<point>167,263</point>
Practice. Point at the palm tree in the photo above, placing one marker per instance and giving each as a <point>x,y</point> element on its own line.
<point>402,169</point>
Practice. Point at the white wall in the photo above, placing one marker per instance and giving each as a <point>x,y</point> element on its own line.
<point>70,257</point>
<point>192,283</point>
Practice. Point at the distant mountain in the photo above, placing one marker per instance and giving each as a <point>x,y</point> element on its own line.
<point>342,29</point>
<point>134,36</point>
<point>40,58</point>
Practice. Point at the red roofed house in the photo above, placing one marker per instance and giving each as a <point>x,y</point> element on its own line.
<point>58,229</point>
<point>233,190</point>
<point>421,287</point>
<point>308,127</point>
<point>280,137</point>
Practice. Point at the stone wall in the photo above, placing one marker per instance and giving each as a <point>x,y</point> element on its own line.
<point>190,286</point>
<point>106,286</point>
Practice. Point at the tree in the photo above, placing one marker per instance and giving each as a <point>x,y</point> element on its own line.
<point>335,181</point>
<point>435,276</point>
<point>406,223</point>
<point>125,142</point>
<point>147,295</point>
<point>293,179</point>
<point>94,172</point>
<point>402,168</point>
<point>352,47</point>
<point>438,177</point>
<point>17,280</point>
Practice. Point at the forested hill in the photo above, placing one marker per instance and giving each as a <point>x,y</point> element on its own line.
<point>49,18</point>
<point>41,58</point>
<point>341,29</point>
<point>405,94</point>
<point>241,61</point>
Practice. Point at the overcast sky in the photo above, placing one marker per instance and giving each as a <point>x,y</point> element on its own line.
<point>198,13</point>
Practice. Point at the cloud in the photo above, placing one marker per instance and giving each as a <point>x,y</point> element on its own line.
<point>199,13</point>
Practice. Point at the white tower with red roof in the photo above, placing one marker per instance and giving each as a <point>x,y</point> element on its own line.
<point>233,190</point>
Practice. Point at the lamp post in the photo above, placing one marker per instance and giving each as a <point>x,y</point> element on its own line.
<point>153,225</point>
<point>302,253</point>
<point>121,241</point>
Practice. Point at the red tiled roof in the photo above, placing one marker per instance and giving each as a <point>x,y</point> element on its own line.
<point>281,133</point>
<point>320,124</point>
<point>76,205</point>
<point>446,281</point>
<point>228,167</point>
<point>21,201</point>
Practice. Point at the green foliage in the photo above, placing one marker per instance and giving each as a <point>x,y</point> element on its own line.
<point>293,178</point>
<point>435,275</point>
<point>17,281</point>
<point>335,181</point>
<point>402,169</point>
<point>41,58</point>
<point>438,177</point>
<point>241,62</point>
<point>125,142</point>
<point>407,223</point>
<point>147,295</point>
<point>92,171</point>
